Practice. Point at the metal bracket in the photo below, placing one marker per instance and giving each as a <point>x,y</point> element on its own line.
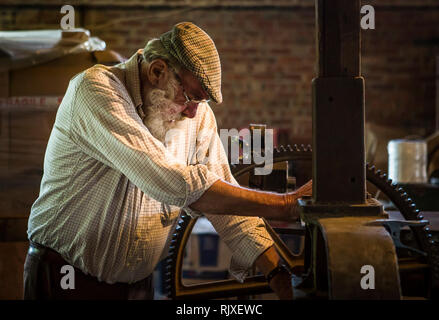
<point>394,226</point>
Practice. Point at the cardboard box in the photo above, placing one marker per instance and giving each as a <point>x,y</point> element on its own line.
<point>27,114</point>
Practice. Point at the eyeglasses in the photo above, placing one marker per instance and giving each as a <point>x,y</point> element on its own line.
<point>188,100</point>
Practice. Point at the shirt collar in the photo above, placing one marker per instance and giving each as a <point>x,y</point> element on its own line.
<point>133,81</point>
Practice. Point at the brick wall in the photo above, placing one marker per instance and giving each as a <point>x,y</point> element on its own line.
<point>268,53</point>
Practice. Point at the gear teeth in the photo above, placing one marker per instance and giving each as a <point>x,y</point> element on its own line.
<point>172,254</point>
<point>405,204</point>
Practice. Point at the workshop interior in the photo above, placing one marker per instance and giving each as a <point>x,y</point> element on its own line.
<point>349,89</point>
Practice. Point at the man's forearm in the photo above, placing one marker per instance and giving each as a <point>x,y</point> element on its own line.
<point>227,199</point>
<point>268,260</point>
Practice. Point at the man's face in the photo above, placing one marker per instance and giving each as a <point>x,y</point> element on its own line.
<point>189,93</point>
<point>166,102</point>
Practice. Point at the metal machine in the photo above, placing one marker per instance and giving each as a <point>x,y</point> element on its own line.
<point>345,229</point>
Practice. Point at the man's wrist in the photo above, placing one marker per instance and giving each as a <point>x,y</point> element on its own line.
<point>280,268</point>
<point>291,205</point>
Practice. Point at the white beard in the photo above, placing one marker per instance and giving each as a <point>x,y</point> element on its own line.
<point>163,114</point>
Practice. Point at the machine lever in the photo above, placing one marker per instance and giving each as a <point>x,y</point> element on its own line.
<point>393,226</point>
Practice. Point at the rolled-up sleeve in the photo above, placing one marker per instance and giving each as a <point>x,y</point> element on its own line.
<point>106,126</point>
<point>247,237</point>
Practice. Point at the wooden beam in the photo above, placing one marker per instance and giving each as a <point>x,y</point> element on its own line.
<point>338,38</point>
<point>338,105</point>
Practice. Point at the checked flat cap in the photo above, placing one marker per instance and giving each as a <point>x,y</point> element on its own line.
<point>195,50</point>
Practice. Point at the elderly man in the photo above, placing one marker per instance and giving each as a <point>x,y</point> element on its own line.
<point>114,181</point>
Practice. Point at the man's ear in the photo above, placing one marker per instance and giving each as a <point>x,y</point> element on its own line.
<point>157,73</point>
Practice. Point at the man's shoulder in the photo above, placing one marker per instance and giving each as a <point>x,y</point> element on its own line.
<point>99,82</point>
<point>99,74</point>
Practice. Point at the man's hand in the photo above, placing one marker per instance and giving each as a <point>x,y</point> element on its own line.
<point>305,190</point>
<point>280,283</point>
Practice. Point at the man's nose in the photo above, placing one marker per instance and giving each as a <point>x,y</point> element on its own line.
<point>191,110</point>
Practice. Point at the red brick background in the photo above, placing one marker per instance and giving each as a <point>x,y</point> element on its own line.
<point>268,53</point>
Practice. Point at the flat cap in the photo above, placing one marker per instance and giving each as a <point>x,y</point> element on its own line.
<point>195,50</point>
